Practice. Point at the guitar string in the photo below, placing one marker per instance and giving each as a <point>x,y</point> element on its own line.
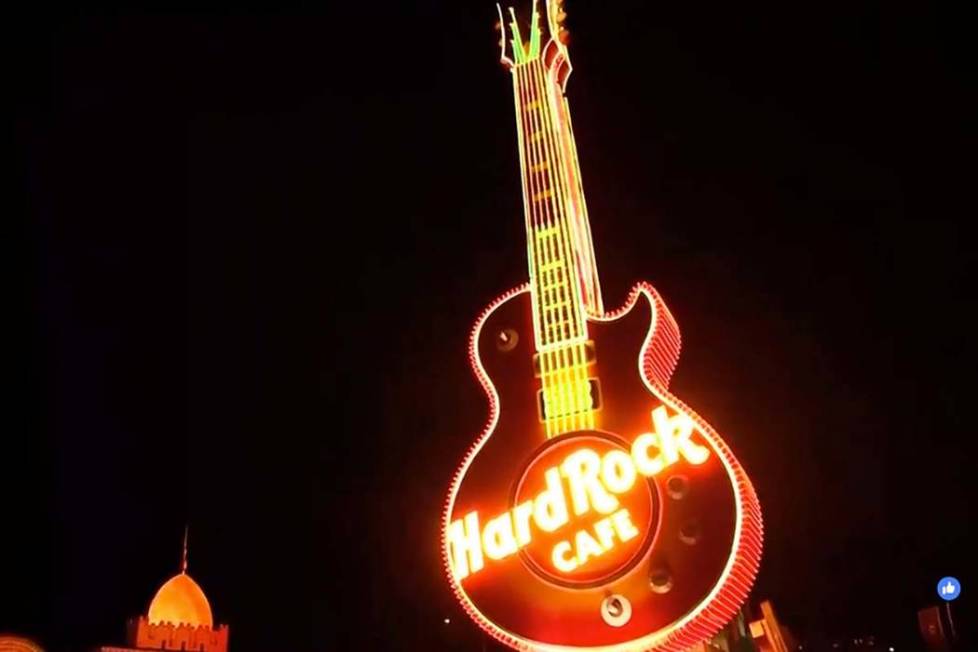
<point>543,239</point>
<point>558,313</point>
<point>577,371</point>
<point>554,399</point>
<point>587,249</point>
<point>564,398</point>
<point>557,243</point>
<point>574,372</point>
<point>555,309</point>
<point>540,263</point>
<point>559,205</point>
<point>525,167</point>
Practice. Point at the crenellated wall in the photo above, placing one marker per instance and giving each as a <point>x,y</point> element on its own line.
<point>166,636</point>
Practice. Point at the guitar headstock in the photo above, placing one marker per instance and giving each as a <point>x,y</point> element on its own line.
<point>546,37</point>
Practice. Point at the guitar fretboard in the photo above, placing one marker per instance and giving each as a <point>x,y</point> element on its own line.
<point>560,322</point>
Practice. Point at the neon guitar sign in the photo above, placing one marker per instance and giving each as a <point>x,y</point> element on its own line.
<point>596,511</point>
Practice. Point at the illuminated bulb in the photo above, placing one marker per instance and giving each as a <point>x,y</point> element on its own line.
<point>448,620</point>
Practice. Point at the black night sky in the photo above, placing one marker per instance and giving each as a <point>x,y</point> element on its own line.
<point>255,243</point>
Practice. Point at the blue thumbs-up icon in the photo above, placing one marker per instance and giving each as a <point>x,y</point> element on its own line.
<point>949,588</point>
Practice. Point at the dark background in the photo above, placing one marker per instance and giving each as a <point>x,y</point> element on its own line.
<point>256,241</point>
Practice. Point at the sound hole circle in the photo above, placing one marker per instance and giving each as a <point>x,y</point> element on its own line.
<point>593,547</point>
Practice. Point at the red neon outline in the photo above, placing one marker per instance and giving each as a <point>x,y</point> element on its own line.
<point>656,363</point>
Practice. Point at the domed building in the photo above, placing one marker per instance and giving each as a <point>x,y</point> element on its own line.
<point>9,643</point>
<point>180,600</point>
<point>179,618</point>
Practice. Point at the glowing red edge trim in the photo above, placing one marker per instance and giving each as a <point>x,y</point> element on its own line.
<point>657,361</point>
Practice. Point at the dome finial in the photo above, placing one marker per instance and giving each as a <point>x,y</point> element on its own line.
<point>183,563</point>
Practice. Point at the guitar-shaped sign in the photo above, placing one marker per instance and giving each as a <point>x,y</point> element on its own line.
<point>596,511</point>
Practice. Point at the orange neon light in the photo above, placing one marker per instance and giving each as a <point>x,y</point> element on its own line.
<point>656,364</point>
<point>584,510</point>
<point>18,644</point>
<point>180,601</point>
<point>593,482</point>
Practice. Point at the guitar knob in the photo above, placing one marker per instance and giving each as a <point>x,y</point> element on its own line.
<point>690,532</point>
<point>507,339</point>
<point>660,579</point>
<point>616,610</point>
<point>677,487</point>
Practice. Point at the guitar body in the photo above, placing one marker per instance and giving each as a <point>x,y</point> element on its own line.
<point>697,547</point>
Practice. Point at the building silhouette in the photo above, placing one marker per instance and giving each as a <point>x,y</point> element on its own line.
<point>179,618</point>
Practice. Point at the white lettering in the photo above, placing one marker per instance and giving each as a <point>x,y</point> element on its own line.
<point>550,508</point>
<point>522,515</point>
<point>463,536</point>
<point>581,468</point>
<point>618,471</point>
<point>561,561</point>
<point>497,538</point>
<point>593,481</point>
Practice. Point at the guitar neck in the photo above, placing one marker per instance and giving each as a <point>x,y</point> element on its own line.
<point>560,256</point>
<point>563,278</point>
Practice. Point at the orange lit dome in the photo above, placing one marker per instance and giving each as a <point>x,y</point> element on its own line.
<point>17,644</point>
<point>182,602</point>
